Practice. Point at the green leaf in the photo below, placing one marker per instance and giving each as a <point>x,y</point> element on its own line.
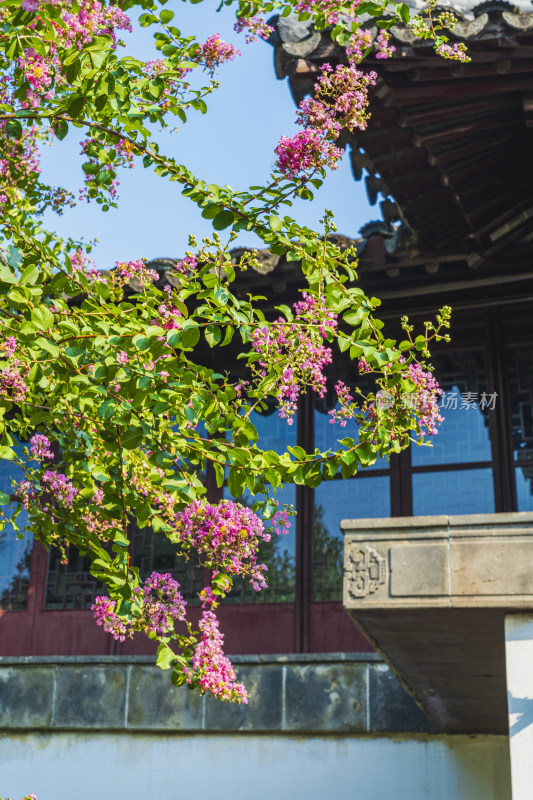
<point>178,678</point>
<point>190,335</point>
<point>42,317</point>
<point>165,657</point>
<point>14,257</point>
<point>60,128</point>
<point>75,107</point>
<point>213,335</point>
<point>107,409</point>
<point>131,438</point>
<point>166,15</point>
<point>211,210</point>
<point>403,12</point>
<point>4,499</point>
<point>48,346</point>
<point>14,128</point>
<point>223,220</point>
<point>276,224</point>
<point>6,276</point>
<point>29,275</point>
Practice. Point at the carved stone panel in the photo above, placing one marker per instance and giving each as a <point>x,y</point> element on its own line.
<point>366,571</point>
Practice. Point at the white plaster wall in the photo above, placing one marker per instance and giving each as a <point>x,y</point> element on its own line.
<point>245,767</point>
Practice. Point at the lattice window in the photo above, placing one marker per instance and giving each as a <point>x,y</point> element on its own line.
<point>70,585</point>
<point>154,552</point>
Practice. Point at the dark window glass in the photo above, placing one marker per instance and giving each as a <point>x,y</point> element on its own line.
<point>453,492</point>
<point>15,554</point>
<point>465,405</point>
<point>328,434</point>
<point>280,553</point>
<point>355,498</point>
<point>524,486</point>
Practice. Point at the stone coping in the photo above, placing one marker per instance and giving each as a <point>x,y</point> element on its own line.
<point>312,694</point>
<point>464,560</point>
<point>275,658</point>
<point>374,524</point>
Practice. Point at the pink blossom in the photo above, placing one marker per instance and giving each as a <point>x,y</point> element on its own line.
<point>12,385</point>
<point>306,152</point>
<point>40,447</point>
<point>330,9</point>
<point>255,27</point>
<point>225,534</point>
<point>211,668</point>
<point>135,270</point>
<point>384,49</point>
<point>298,344</point>
<point>216,51</point>
<point>25,493</point>
<point>161,604</point>
<point>104,613</point>
<point>456,52</point>
<point>59,487</point>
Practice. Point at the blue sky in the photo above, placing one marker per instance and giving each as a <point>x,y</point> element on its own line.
<point>232,144</point>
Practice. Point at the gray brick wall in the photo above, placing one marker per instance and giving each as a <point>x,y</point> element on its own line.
<point>331,693</point>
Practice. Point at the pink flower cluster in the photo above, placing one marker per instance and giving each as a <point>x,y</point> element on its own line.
<point>187,265</point>
<point>24,492</point>
<point>226,534</point>
<point>255,27</point>
<point>279,522</point>
<point>211,668</point>
<point>216,51</point>
<point>307,151</point>
<point>78,28</point>
<point>12,385</point>
<point>9,346</point>
<point>156,607</point>
<point>40,73</point>
<point>80,261</point>
<point>341,99</point>
<point>59,487</point>
<point>40,447</point>
<point>360,42</point>
<point>384,49</point>
<point>19,159</point>
<point>104,613</point>
<point>135,270</point>
<point>424,400</point>
<point>298,345</point>
<point>347,405</point>
<point>169,314</point>
<point>456,52</point>
<point>330,9</point>
<point>161,604</point>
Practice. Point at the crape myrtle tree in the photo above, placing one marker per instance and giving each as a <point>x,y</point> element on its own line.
<point>105,404</point>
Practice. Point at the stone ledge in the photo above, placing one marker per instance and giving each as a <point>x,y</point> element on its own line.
<point>431,594</point>
<point>274,658</point>
<point>464,561</point>
<point>344,693</point>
